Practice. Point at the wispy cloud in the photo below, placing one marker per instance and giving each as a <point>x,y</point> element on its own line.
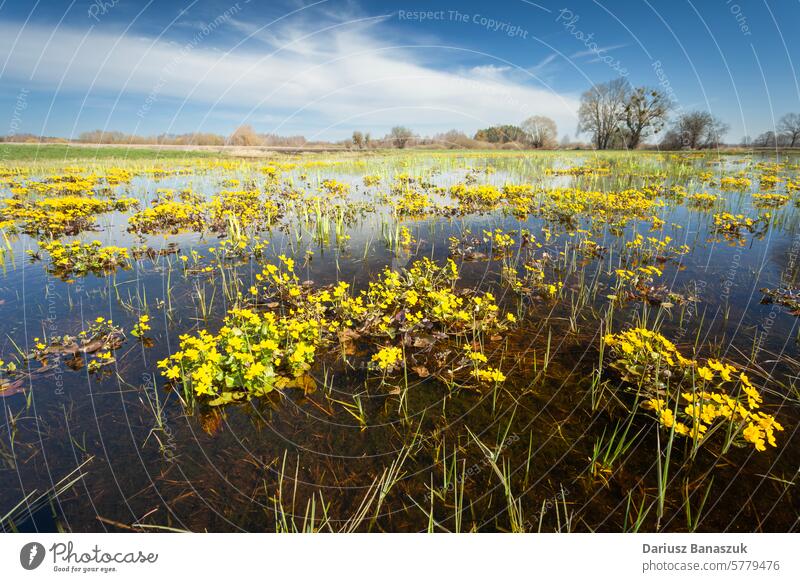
<point>599,50</point>
<point>341,73</point>
<point>545,68</point>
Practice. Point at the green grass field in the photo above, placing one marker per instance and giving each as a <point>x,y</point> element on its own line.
<point>14,152</point>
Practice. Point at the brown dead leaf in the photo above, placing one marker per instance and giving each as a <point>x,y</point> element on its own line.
<point>421,371</point>
<point>10,388</point>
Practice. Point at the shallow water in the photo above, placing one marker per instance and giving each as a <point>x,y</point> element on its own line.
<point>272,463</point>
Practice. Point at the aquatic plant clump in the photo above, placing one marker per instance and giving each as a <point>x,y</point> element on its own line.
<point>424,297</point>
<point>79,258</point>
<point>92,347</point>
<point>252,354</point>
<point>168,216</point>
<point>256,352</point>
<point>689,398</point>
<point>64,215</point>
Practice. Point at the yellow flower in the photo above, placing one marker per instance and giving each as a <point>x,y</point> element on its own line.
<point>490,375</point>
<point>666,418</point>
<point>753,434</point>
<point>388,357</point>
<point>475,356</point>
<point>681,429</point>
<point>705,373</point>
<point>255,370</point>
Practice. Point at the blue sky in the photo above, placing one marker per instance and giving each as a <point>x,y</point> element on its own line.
<point>328,67</point>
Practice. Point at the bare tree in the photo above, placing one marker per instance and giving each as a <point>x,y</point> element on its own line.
<point>789,126</point>
<point>400,136</point>
<point>244,135</point>
<point>601,111</point>
<point>645,111</point>
<point>542,131</point>
<point>455,139</point>
<point>768,139</point>
<point>109,137</point>
<point>695,130</point>
<point>358,139</point>
<point>367,140</point>
<point>271,139</point>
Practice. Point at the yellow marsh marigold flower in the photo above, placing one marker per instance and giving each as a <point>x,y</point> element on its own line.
<point>388,357</point>
<point>754,434</point>
<point>490,375</point>
<point>705,373</point>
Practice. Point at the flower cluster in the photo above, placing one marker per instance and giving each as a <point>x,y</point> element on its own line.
<point>63,215</point>
<point>141,327</point>
<point>733,226</point>
<point>579,171</point>
<point>407,201</point>
<point>388,357</point>
<point>79,258</point>
<point>168,216</point>
<point>482,197</point>
<point>702,200</point>
<point>256,352</point>
<point>251,355</point>
<point>687,397</point>
<point>233,209</point>
<point>770,200</point>
<point>615,208</point>
<point>424,296</point>
<point>734,183</point>
<point>501,242</point>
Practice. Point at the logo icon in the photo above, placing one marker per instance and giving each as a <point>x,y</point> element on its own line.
<point>31,555</point>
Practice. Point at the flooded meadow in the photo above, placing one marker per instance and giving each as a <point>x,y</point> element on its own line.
<point>401,342</point>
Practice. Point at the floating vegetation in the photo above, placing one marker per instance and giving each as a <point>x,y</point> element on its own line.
<point>788,298</point>
<point>92,347</point>
<point>732,227</point>
<point>65,215</point>
<point>257,352</point>
<point>769,200</point>
<point>169,216</point>
<point>79,258</point>
<point>734,183</point>
<point>702,200</point>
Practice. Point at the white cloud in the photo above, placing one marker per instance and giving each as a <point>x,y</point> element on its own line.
<point>346,75</point>
<point>489,72</point>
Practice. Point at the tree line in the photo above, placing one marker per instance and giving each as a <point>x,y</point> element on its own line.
<point>614,115</point>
